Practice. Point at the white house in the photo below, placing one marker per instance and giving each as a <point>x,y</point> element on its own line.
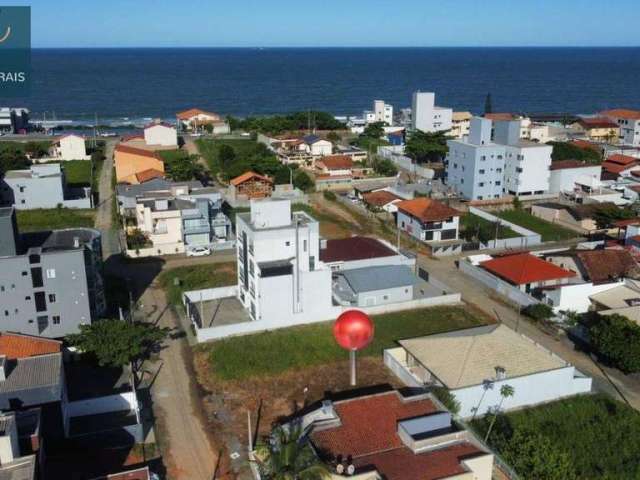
<point>460,124</point>
<point>196,119</point>
<point>629,123</point>
<point>317,146</point>
<point>383,112</point>
<point>70,147</point>
<point>567,174</point>
<point>428,220</point>
<point>426,116</point>
<point>475,165</point>
<point>474,364</point>
<point>161,134</point>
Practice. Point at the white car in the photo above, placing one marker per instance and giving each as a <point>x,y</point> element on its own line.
<point>198,252</point>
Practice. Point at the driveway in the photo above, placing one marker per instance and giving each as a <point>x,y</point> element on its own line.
<point>605,379</point>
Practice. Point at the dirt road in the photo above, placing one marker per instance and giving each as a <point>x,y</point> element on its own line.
<point>110,243</point>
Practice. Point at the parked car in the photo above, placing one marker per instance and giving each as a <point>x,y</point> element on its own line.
<point>198,252</point>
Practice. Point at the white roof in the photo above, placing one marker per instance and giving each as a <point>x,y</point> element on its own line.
<point>469,357</point>
<point>616,297</point>
<point>632,313</point>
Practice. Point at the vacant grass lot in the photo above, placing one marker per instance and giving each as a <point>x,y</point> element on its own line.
<point>277,351</point>
<point>196,277</point>
<point>244,148</point>
<point>473,226</point>
<point>548,231</point>
<point>601,436</point>
<point>54,218</point>
<point>77,172</point>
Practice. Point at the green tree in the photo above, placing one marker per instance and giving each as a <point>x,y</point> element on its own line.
<point>374,130</point>
<point>569,151</point>
<point>12,158</point>
<point>534,457</point>
<point>506,391</point>
<point>333,137</point>
<point>117,342</point>
<point>606,214</point>
<point>36,149</point>
<point>447,398</point>
<point>517,203</point>
<point>427,147</point>
<point>136,239</point>
<point>226,155</point>
<point>302,181</point>
<point>182,167</point>
<point>288,455</point>
<point>538,311</point>
<point>384,167</point>
<point>488,104</point>
<point>617,339</point>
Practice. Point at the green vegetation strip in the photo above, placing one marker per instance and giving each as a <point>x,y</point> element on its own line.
<point>475,227</point>
<point>77,172</point>
<point>276,351</point>
<point>599,435</point>
<point>196,277</point>
<point>54,218</point>
<point>548,231</point>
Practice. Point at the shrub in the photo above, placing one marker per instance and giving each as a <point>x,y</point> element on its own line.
<point>447,398</point>
<point>617,339</point>
<point>329,195</point>
<point>538,311</point>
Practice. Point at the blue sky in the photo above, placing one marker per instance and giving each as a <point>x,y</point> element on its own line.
<point>230,23</point>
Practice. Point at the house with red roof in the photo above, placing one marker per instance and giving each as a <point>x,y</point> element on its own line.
<point>629,123</point>
<point>386,435</point>
<point>130,162</point>
<point>526,271</point>
<point>161,134</point>
<point>359,252</point>
<point>599,129</point>
<point>250,185</point>
<point>428,220</point>
<point>196,119</point>
<point>619,165</point>
<point>382,200</point>
<point>334,165</point>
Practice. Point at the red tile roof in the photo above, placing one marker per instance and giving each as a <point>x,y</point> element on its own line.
<point>137,151</point>
<point>336,162</point>
<point>613,167</point>
<point>368,432</point>
<point>626,222</point>
<point>403,464</point>
<point>149,174</point>
<point>622,159</point>
<point>622,113</point>
<point>597,122</point>
<point>354,248</point>
<point>585,144</point>
<point>248,176</point>
<point>379,198</point>
<point>427,210</point>
<point>15,345</point>
<point>369,424</point>
<point>523,268</point>
<point>567,164</point>
<point>604,265</point>
<point>192,112</point>
<point>500,116</point>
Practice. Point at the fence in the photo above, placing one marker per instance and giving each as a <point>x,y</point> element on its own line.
<point>395,154</point>
<point>503,288</point>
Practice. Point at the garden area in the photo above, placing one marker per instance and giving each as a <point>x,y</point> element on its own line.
<point>78,173</point>
<point>54,218</point>
<point>585,437</point>
<point>180,166</point>
<point>475,228</point>
<point>178,280</point>
<point>548,231</point>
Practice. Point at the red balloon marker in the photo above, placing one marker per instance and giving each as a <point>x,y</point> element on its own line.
<point>353,331</point>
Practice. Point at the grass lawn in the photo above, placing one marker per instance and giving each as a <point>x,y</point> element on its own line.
<point>208,148</point>
<point>277,351</point>
<point>54,218</point>
<point>601,436</point>
<point>476,226</point>
<point>549,231</point>
<point>196,277</point>
<point>77,172</point>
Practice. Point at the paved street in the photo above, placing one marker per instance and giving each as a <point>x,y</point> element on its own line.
<point>604,379</point>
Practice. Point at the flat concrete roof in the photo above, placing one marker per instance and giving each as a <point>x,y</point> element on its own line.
<point>469,357</point>
<point>617,297</point>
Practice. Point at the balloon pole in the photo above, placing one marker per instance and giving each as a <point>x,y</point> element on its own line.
<point>352,358</point>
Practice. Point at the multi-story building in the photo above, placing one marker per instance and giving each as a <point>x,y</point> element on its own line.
<point>493,161</point>
<point>383,112</point>
<point>41,186</point>
<point>428,220</point>
<point>475,165</point>
<point>599,129</point>
<point>14,120</point>
<point>426,116</point>
<point>629,123</point>
<point>460,123</point>
<point>70,147</point>
<point>280,275</point>
<point>50,282</point>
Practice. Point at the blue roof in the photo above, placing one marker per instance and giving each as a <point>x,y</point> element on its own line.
<point>371,279</point>
<point>309,139</point>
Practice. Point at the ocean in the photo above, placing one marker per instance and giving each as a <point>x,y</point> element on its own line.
<point>135,83</point>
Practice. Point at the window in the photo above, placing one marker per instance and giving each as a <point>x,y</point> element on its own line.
<point>41,304</point>
<point>52,298</point>
<point>304,245</point>
<point>385,297</point>
<point>43,323</point>
<point>28,297</point>
<point>6,313</point>
<point>34,258</point>
<point>56,319</point>
<point>481,171</point>
<point>518,170</point>
<point>24,274</point>
<point>21,189</point>
<point>36,277</point>
<point>483,158</point>
<point>287,244</point>
<point>498,182</point>
<point>51,273</point>
<point>22,201</point>
<point>481,184</point>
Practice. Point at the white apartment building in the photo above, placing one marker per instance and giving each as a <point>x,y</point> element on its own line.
<point>629,122</point>
<point>281,279</point>
<point>493,161</point>
<point>428,117</point>
<point>460,124</point>
<point>475,165</point>
<point>161,134</point>
<point>383,112</point>
<point>70,147</point>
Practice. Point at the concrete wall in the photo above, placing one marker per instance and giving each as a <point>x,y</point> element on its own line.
<point>161,135</point>
<point>564,179</point>
<point>383,297</point>
<point>396,155</point>
<point>165,249</point>
<point>528,238</point>
<point>575,297</point>
<point>109,403</point>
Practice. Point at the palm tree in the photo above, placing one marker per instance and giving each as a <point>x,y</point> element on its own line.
<point>506,391</point>
<point>287,455</point>
<point>486,386</point>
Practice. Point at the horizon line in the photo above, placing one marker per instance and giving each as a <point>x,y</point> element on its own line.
<point>257,47</point>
